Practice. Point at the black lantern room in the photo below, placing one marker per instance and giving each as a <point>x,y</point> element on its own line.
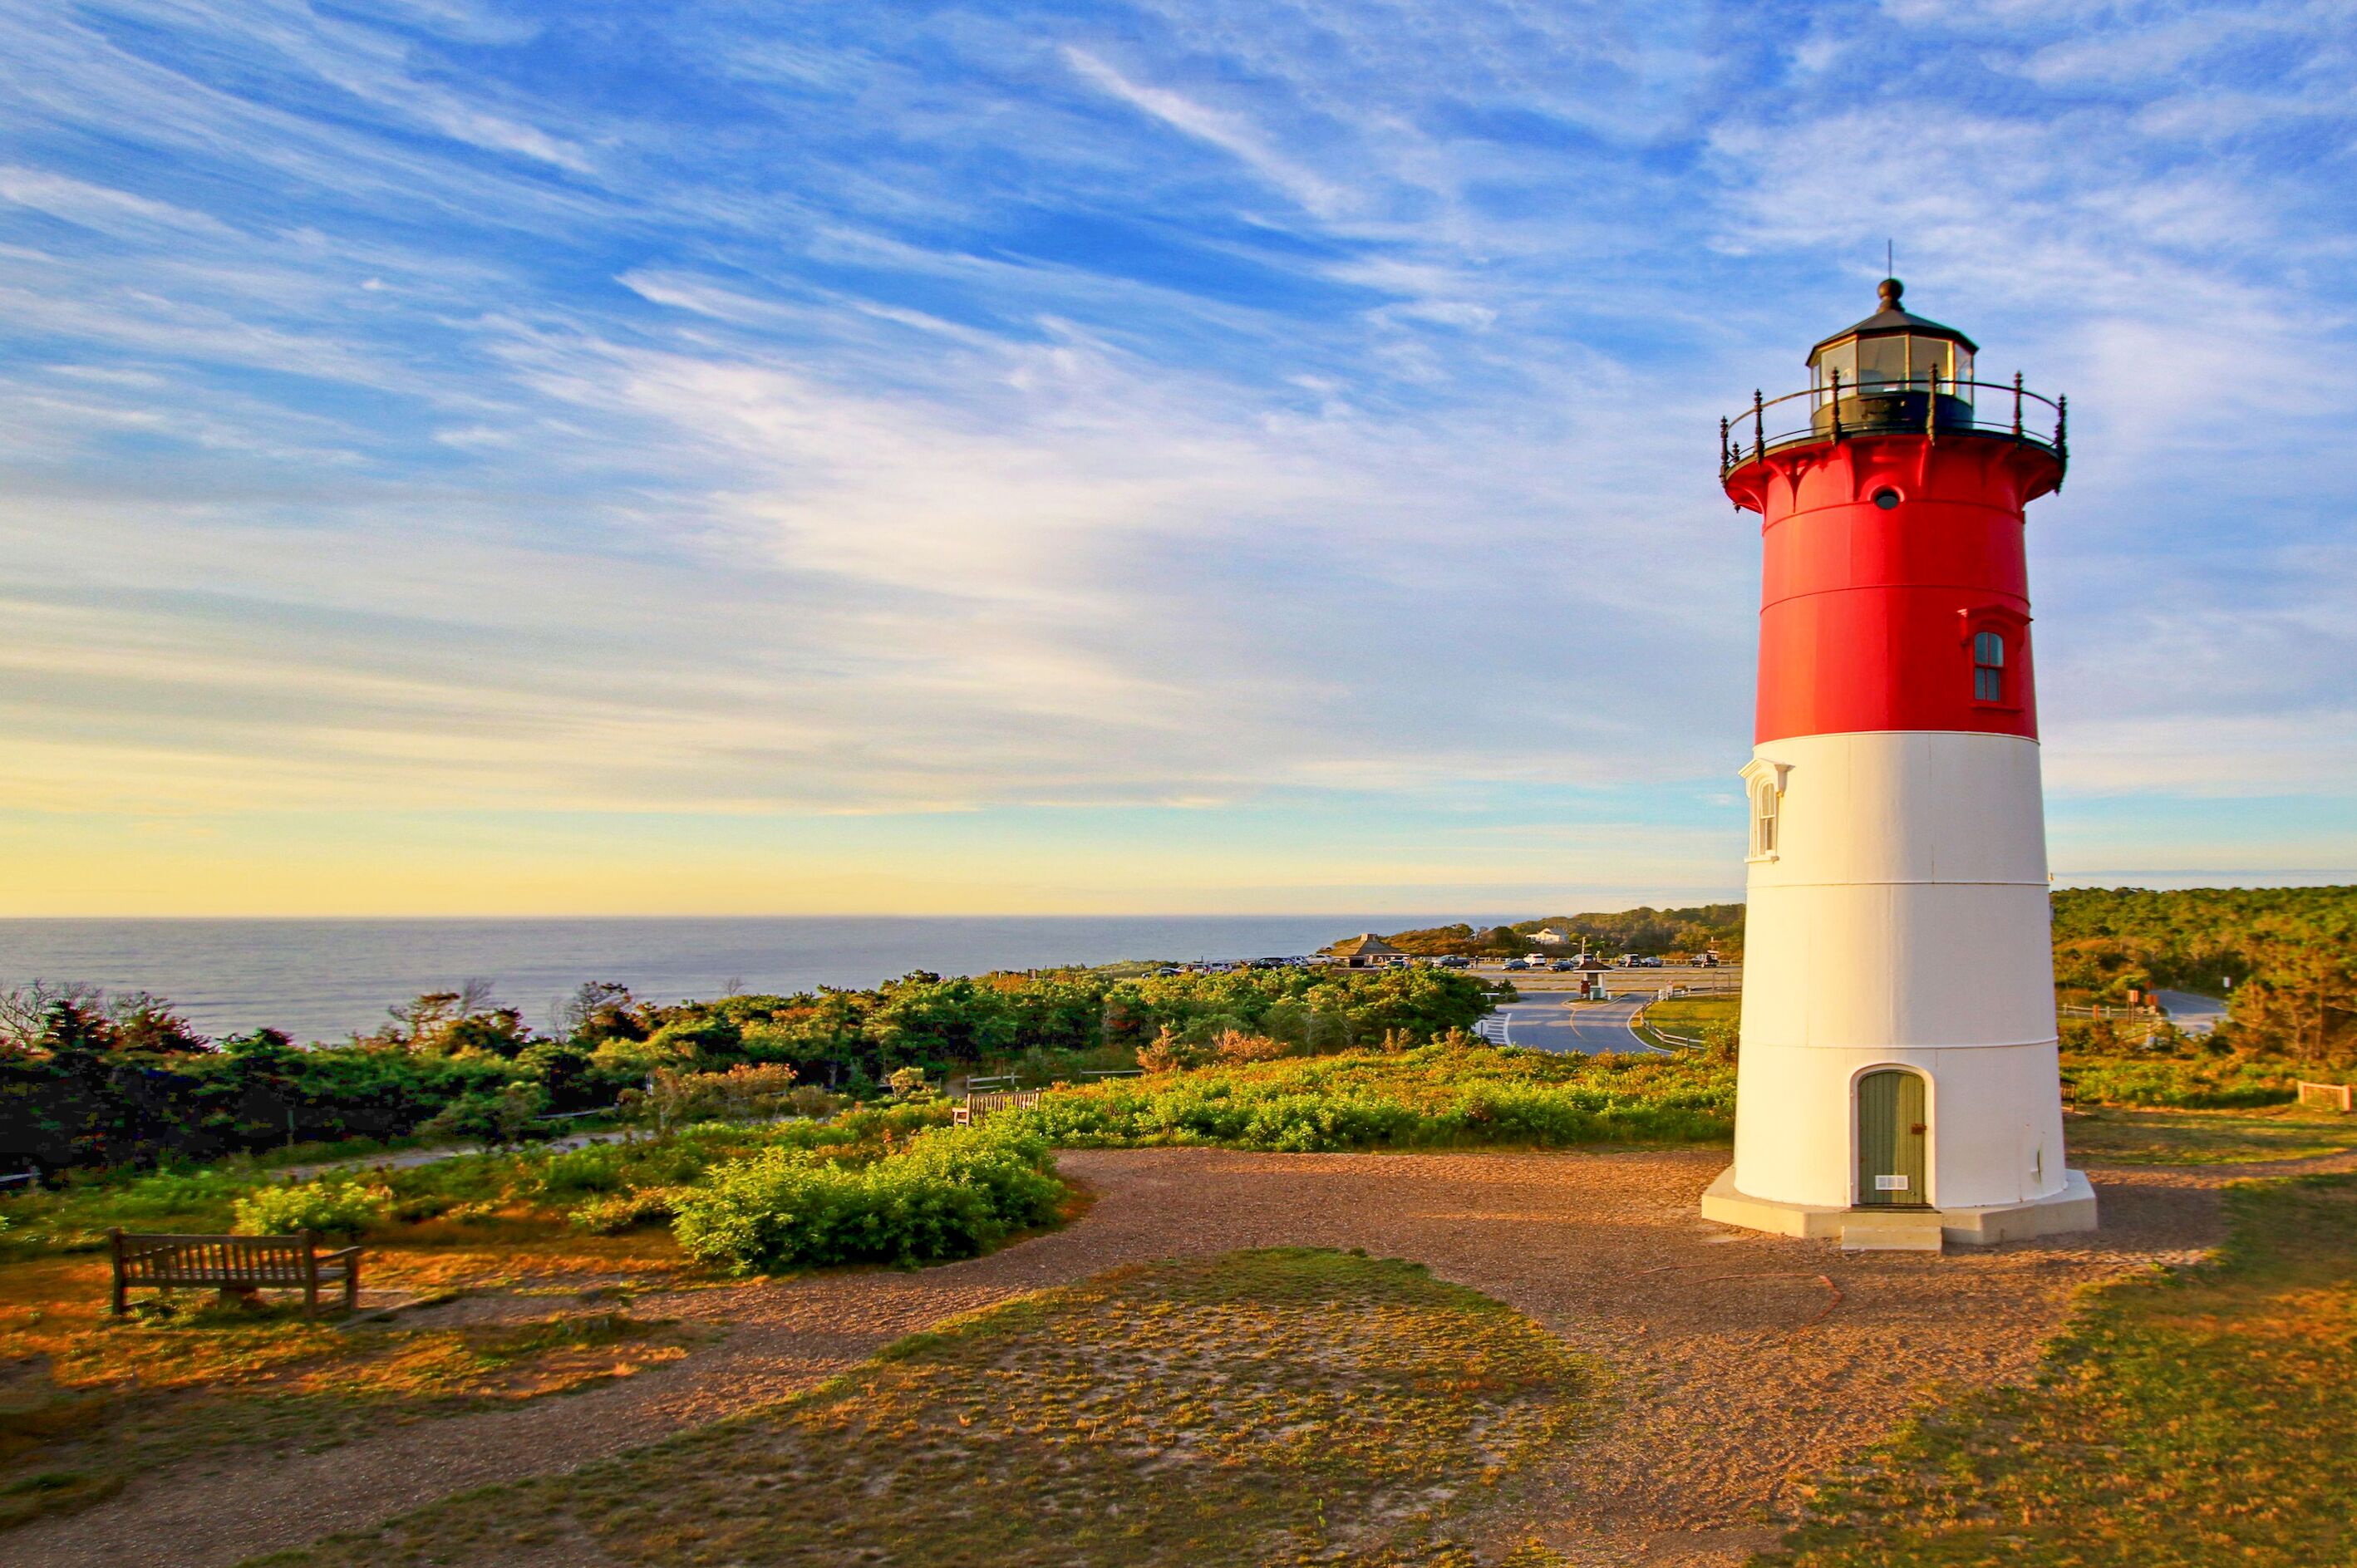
<point>1894,370</point>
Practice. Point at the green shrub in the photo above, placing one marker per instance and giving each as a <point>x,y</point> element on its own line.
<point>622,1211</point>
<point>172,1195</point>
<point>1436,1096</point>
<point>509,1116</point>
<point>594,1168</point>
<point>952,1193</point>
<point>333,1206</point>
<point>2176,1083</point>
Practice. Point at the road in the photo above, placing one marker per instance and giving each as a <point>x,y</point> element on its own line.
<point>2194,1014</point>
<point>406,1159</point>
<point>1544,1022</point>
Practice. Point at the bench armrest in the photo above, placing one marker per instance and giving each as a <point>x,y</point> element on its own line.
<point>340,1253</point>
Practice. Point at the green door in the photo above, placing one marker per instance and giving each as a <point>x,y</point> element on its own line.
<point>1892,1170</point>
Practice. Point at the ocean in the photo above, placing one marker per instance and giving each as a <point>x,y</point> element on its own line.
<point>325,979</point>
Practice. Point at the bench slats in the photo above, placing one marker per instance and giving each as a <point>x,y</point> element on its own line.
<point>233,1263</point>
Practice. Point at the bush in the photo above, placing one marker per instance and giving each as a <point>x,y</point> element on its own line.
<point>1236,1048</point>
<point>592,1169</point>
<point>623,1210</point>
<point>501,1118</point>
<point>2175,1083</point>
<point>336,1207</point>
<point>954,1192</point>
<point>809,1099</point>
<point>1434,1096</point>
<point>1168,1053</point>
<point>743,1093</point>
<point>168,1195</point>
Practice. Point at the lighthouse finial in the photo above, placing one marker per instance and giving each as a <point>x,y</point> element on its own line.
<point>1891,288</point>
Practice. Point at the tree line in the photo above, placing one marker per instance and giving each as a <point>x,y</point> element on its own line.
<point>1702,928</point>
<point>2285,958</point>
<point>92,1079</point>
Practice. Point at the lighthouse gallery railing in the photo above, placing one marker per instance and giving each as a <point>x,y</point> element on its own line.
<point>1933,408</point>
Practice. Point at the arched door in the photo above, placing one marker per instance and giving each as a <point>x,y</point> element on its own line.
<point>1893,1140</point>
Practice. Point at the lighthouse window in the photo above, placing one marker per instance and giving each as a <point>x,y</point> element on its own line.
<point>1882,362</point>
<point>1842,360</point>
<point>1988,667</point>
<point>1765,798</point>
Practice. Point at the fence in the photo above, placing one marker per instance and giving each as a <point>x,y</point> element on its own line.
<point>2340,1096</point>
<point>1641,1027</point>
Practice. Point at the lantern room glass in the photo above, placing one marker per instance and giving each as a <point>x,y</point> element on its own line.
<point>1903,361</point>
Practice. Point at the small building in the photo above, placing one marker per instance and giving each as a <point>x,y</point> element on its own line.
<point>1366,951</point>
<point>1551,937</point>
<point>1593,986</point>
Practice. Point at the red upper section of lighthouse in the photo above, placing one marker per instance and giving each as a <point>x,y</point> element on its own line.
<point>1895,594</point>
<point>1910,612</point>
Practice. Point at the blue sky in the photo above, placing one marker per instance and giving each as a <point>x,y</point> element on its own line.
<point>657,458</point>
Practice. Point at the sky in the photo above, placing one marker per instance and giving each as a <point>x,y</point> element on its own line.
<point>1232,455</point>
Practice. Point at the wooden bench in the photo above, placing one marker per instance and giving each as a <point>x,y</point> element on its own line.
<point>978,1106</point>
<point>235,1266</point>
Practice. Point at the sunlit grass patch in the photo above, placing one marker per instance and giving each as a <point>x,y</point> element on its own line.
<point>2124,1135</point>
<point>1281,1406</point>
<point>1683,1022</point>
<point>2208,1418</point>
<point>1687,1015</point>
<point>87,1399</point>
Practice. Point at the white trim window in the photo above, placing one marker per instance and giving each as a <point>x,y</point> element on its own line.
<point>1766,793</point>
<point>1766,800</point>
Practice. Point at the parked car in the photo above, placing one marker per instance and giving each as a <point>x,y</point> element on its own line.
<point>1517,963</point>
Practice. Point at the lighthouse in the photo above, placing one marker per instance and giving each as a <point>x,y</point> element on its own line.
<point>1897,1084</point>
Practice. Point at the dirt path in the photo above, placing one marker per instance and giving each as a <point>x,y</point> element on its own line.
<point>1743,1361</point>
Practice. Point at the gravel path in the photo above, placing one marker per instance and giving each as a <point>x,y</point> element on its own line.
<point>1741,1363</point>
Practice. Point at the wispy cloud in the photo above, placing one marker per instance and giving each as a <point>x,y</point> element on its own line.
<point>1288,414</point>
<point>1230,133</point>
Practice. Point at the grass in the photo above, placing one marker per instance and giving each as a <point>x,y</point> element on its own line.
<point>2182,1422</point>
<point>86,1400</point>
<point>89,1399</point>
<point>1678,1023</point>
<point>1436,1096</point>
<point>1267,1407</point>
<point>2170,1080</point>
<point>2117,1135</point>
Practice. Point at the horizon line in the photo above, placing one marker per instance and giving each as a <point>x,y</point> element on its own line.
<point>1451,916</point>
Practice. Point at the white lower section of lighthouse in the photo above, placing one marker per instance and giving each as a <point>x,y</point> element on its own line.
<point>1897,1071</point>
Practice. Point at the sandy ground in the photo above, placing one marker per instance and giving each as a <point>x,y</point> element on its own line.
<point>1740,1363</point>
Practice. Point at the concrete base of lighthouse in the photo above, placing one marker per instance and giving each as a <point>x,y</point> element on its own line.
<point>2073,1209</point>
